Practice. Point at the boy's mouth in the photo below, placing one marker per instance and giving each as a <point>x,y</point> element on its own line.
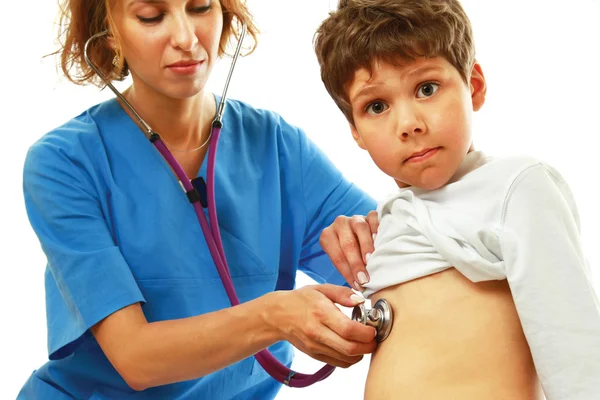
<point>422,155</point>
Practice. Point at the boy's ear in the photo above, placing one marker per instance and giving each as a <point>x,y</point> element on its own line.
<point>357,137</point>
<point>478,87</point>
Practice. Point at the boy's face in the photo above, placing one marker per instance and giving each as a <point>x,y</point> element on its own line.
<point>414,118</point>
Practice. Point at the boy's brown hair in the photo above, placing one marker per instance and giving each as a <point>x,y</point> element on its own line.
<point>363,31</point>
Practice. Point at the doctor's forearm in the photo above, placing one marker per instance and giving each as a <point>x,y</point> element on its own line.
<point>170,351</point>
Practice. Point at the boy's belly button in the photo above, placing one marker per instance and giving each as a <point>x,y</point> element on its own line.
<point>452,338</point>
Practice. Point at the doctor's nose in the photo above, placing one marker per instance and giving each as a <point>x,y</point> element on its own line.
<point>409,122</point>
<point>183,34</point>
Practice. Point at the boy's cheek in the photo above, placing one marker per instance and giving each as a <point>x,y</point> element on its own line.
<point>357,137</point>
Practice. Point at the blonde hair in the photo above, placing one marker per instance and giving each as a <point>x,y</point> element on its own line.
<point>81,19</point>
<point>362,31</point>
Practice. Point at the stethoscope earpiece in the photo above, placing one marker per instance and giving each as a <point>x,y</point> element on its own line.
<point>379,317</point>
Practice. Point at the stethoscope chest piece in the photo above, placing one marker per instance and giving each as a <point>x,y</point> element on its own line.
<point>380,317</point>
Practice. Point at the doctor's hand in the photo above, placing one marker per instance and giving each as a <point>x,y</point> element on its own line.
<point>311,322</point>
<point>349,242</point>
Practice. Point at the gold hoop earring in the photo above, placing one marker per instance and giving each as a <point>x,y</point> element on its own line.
<point>115,61</point>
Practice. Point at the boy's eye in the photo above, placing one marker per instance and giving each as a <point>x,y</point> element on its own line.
<point>427,89</point>
<point>376,107</point>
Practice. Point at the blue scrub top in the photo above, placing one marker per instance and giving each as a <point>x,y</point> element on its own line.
<point>117,229</point>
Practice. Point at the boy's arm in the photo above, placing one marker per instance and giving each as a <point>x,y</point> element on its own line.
<point>550,283</point>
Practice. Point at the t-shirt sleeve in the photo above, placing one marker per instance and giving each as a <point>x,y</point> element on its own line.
<point>326,195</point>
<point>87,278</point>
<point>550,283</point>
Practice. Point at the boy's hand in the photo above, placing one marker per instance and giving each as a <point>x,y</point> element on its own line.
<point>349,242</point>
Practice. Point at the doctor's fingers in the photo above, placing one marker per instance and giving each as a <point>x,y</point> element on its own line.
<point>364,229</point>
<point>330,343</point>
<point>316,340</point>
<point>358,338</point>
<point>339,248</point>
<point>335,362</point>
<point>332,327</point>
<point>325,345</point>
<point>373,221</point>
<point>350,241</point>
<point>327,355</point>
<point>330,244</point>
<point>337,294</point>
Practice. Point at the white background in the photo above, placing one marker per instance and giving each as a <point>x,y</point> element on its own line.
<point>541,59</point>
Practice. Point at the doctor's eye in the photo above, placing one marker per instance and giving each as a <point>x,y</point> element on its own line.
<point>428,89</point>
<point>151,20</point>
<point>376,107</point>
<point>201,9</point>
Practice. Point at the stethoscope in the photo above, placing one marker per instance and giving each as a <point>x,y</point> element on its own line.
<point>379,317</point>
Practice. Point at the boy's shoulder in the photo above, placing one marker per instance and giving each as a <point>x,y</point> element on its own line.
<point>511,164</point>
<point>488,179</point>
<point>504,170</point>
<point>526,175</point>
<point>513,167</point>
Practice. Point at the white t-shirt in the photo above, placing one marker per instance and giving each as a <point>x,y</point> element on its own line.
<point>508,218</point>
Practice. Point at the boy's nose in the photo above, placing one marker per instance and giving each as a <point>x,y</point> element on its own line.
<point>183,34</point>
<point>409,123</point>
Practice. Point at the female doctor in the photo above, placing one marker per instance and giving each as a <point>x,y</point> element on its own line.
<point>135,306</point>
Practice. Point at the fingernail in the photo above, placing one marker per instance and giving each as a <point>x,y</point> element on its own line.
<point>358,287</point>
<point>362,278</point>
<point>357,299</point>
<point>367,256</point>
<point>374,236</point>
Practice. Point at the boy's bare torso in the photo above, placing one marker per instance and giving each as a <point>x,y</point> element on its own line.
<point>452,339</point>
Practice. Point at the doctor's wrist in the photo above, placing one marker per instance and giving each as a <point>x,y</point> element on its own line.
<point>270,315</point>
<point>273,316</point>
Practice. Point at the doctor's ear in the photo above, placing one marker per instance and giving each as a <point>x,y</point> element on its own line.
<point>356,137</point>
<point>111,42</point>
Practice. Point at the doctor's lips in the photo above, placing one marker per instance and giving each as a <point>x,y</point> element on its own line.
<point>422,155</point>
<point>185,67</point>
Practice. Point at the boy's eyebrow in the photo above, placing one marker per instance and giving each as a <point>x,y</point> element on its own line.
<point>423,69</point>
<point>368,89</point>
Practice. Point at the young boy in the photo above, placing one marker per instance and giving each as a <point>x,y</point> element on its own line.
<point>480,257</point>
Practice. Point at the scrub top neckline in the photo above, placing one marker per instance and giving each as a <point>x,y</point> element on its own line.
<point>124,118</point>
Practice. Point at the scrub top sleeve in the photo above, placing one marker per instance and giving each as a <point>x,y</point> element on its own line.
<point>87,278</point>
<point>326,195</point>
<point>551,287</point>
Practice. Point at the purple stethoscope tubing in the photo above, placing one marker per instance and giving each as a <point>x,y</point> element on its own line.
<point>213,239</point>
<point>210,227</point>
